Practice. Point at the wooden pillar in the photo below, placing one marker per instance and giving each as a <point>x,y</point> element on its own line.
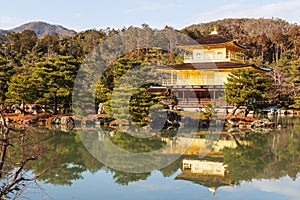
<point>214,94</point>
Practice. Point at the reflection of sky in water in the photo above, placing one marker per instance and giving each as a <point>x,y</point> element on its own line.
<point>283,188</point>
<point>101,186</point>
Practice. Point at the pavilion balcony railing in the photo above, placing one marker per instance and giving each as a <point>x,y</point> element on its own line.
<point>189,81</point>
<point>229,56</point>
<point>237,57</point>
<point>211,58</point>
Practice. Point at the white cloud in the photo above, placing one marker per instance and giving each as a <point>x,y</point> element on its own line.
<point>287,10</point>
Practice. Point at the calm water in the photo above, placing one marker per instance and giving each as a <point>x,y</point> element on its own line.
<point>257,165</point>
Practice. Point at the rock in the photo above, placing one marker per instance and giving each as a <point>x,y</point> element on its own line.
<point>66,120</point>
<point>262,123</point>
<point>18,111</point>
<point>101,108</point>
<point>66,128</point>
<point>55,120</point>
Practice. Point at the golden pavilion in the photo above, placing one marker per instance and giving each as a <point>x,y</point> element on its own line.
<point>200,79</point>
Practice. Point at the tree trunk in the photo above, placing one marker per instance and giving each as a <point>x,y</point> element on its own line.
<point>3,155</point>
<point>5,143</point>
<point>277,53</point>
<point>55,105</point>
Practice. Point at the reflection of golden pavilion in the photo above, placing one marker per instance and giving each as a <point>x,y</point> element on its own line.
<point>211,174</point>
<point>210,171</point>
<point>196,146</point>
<point>204,167</point>
<point>212,182</point>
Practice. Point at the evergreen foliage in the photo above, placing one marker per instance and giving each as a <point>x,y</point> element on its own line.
<point>246,88</point>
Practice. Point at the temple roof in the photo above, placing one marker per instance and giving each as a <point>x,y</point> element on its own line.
<point>211,66</point>
<point>213,39</point>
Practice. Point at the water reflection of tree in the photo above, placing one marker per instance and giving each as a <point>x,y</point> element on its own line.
<point>13,169</point>
<point>124,178</point>
<point>62,158</point>
<point>246,162</point>
<point>286,149</point>
<point>68,157</point>
<point>267,156</point>
<point>136,145</point>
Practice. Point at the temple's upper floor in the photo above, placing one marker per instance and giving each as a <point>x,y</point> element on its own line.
<point>214,48</point>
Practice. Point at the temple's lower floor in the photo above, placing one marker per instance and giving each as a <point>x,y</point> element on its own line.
<point>196,96</point>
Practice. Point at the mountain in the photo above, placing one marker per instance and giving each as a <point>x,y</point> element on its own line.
<point>3,32</point>
<point>42,28</point>
<point>240,26</point>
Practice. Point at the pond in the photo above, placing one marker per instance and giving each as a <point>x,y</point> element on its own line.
<point>241,164</point>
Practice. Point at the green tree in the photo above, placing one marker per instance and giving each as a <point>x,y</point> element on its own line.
<point>246,88</point>
<point>55,80</point>
<point>6,71</point>
<point>21,88</point>
<point>294,80</point>
<point>28,40</point>
<point>48,45</point>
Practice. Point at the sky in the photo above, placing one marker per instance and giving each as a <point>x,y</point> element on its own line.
<point>81,15</point>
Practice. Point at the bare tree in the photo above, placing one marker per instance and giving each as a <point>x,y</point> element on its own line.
<point>15,177</point>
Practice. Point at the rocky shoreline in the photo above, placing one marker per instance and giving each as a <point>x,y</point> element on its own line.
<point>68,121</point>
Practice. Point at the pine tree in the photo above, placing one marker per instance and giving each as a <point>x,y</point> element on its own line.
<point>55,79</point>
<point>6,71</point>
<point>21,89</point>
<point>246,88</point>
<point>294,80</point>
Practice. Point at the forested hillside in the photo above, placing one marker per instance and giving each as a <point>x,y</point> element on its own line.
<point>29,63</point>
<point>251,27</point>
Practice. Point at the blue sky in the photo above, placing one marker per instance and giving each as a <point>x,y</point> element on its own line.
<point>86,14</point>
